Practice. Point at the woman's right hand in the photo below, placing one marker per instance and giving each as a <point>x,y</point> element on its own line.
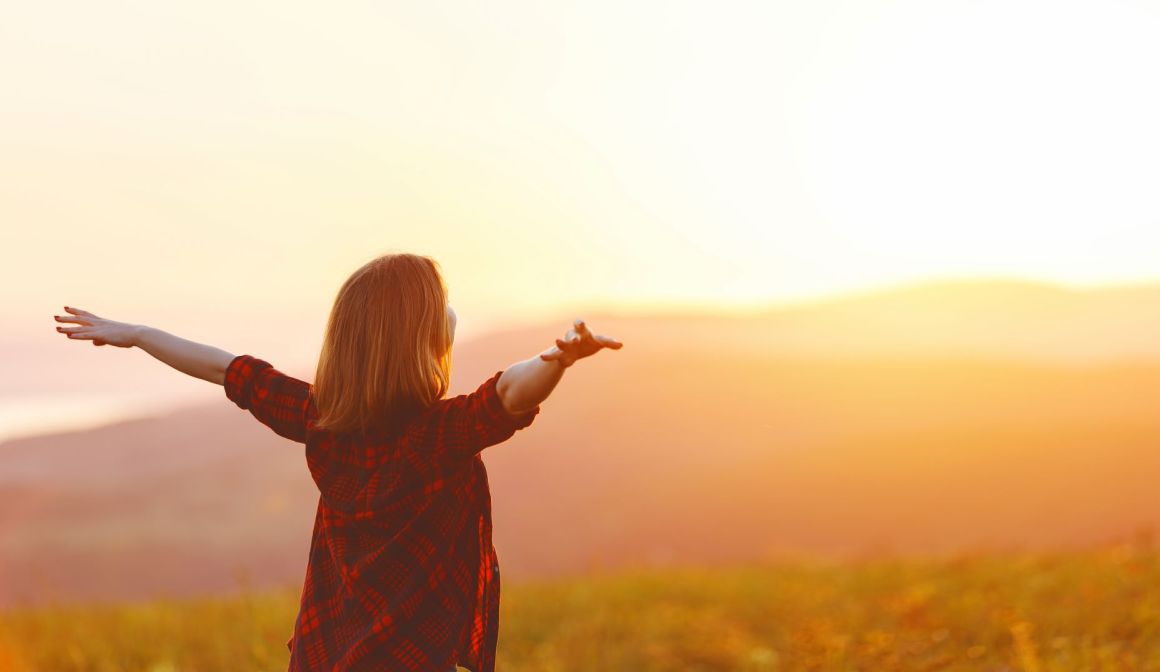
<point>579,342</point>
<point>97,329</point>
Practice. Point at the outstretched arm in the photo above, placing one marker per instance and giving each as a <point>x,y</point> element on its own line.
<point>525,384</point>
<point>510,399</point>
<point>195,359</point>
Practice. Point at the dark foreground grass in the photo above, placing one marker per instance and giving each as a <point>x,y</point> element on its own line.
<point>1098,610</point>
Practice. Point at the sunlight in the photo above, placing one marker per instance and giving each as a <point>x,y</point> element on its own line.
<point>987,137</point>
<point>916,140</point>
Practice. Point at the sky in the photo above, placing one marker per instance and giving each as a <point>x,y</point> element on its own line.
<point>219,168</point>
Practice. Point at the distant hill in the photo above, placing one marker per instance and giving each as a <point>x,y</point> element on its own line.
<point>900,422</point>
<point>990,318</point>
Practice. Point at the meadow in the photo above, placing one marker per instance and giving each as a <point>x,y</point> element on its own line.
<point>1091,610</point>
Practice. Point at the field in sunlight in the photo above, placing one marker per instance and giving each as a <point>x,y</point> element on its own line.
<point>1097,610</point>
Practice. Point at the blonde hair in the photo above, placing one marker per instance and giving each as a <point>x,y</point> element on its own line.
<point>386,354</point>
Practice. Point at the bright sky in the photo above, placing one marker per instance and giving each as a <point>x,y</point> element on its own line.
<point>208,164</point>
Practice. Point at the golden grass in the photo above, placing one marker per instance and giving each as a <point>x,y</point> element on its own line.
<point>1096,610</point>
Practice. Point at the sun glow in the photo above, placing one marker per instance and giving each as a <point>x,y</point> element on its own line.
<point>643,156</point>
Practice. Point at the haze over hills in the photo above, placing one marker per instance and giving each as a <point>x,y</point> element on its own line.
<point>935,418</point>
<point>991,318</point>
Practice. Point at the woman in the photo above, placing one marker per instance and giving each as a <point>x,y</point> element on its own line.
<point>402,574</point>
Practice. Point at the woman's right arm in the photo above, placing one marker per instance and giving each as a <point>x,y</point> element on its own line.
<point>195,359</point>
<point>199,360</point>
<point>525,384</point>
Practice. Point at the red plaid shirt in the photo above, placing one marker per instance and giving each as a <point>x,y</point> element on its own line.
<point>402,574</point>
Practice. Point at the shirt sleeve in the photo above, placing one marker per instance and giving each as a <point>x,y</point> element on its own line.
<point>468,423</point>
<point>277,400</point>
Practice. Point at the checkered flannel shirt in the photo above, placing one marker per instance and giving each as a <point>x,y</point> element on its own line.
<point>402,574</point>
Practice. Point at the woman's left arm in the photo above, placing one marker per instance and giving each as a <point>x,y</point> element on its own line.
<point>195,359</point>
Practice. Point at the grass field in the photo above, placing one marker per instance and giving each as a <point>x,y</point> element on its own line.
<point>1097,610</point>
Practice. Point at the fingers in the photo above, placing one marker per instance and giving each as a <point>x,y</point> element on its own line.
<point>77,311</point>
<point>577,343</point>
<point>580,332</point>
<point>67,318</point>
<point>577,333</point>
<point>80,333</point>
<point>83,332</point>
<point>608,341</point>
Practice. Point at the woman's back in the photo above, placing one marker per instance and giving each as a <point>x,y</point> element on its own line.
<point>401,564</point>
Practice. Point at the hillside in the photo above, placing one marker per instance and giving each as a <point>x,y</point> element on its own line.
<point>706,440</point>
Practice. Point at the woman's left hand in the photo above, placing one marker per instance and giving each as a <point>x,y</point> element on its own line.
<point>577,344</point>
<point>98,329</point>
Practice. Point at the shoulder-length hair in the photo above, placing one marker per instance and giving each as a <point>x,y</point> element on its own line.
<point>386,354</point>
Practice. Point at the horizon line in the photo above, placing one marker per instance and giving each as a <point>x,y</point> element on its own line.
<point>675,308</point>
